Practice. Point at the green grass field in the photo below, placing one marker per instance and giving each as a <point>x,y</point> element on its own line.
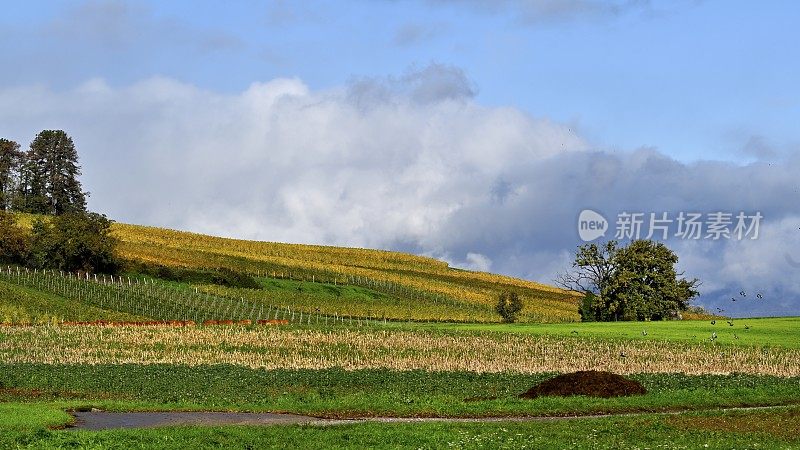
<point>337,393</point>
<point>769,332</point>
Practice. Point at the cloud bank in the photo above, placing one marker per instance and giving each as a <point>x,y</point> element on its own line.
<point>410,163</point>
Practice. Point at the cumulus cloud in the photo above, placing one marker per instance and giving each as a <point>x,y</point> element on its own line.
<point>479,262</point>
<point>411,163</point>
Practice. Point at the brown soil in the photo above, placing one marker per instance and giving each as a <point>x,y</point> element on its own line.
<point>591,383</point>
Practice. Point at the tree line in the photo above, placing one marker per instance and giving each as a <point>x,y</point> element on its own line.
<point>44,180</point>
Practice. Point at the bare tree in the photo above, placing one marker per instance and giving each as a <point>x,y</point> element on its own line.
<point>592,269</point>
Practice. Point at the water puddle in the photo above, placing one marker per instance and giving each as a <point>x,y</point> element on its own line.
<point>102,420</point>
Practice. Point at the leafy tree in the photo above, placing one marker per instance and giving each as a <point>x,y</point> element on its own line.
<point>49,176</point>
<point>10,159</point>
<point>509,306</point>
<point>588,307</point>
<point>13,240</point>
<point>74,242</point>
<point>647,284</point>
<point>637,282</point>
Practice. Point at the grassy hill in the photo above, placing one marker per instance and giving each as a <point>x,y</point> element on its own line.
<point>335,280</point>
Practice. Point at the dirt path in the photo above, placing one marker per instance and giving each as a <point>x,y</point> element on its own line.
<point>102,420</point>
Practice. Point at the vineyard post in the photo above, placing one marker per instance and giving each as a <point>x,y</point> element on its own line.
<point>225,316</point>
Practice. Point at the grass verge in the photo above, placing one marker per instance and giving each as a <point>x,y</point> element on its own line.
<point>338,393</point>
<point>606,433</point>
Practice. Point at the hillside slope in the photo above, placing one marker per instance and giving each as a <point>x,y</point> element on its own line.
<point>415,282</point>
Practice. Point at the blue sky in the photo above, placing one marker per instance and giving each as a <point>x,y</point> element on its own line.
<point>470,130</point>
<point>696,79</point>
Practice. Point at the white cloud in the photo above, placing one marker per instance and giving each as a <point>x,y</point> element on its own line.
<point>476,261</point>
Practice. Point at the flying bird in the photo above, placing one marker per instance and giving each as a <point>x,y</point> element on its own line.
<point>743,294</point>
<point>713,322</point>
<point>760,297</point>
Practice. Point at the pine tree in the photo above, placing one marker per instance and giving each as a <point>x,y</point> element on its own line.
<point>49,176</point>
<point>31,190</point>
<point>10,159</point>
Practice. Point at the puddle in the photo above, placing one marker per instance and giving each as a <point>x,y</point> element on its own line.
<point>102,420</point>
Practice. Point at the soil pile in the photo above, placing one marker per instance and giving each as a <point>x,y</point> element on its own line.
<point>591,383</point>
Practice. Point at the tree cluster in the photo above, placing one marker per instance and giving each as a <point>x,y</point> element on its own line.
<point>72,242</point>
<point>44,179</point>
<point>636,282</point>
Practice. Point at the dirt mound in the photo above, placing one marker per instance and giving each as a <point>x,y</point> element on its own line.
<point>591,383</point>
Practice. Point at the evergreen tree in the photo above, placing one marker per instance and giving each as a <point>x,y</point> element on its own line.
<point>49,176</point>
<point>10,159</point>
<point>32,189</point>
